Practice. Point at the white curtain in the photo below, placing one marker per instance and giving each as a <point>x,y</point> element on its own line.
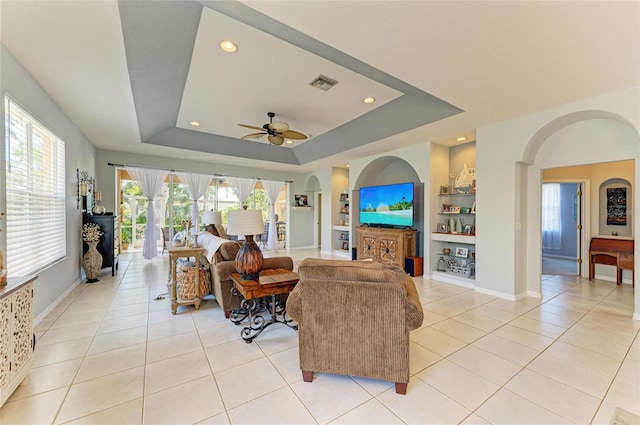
<point>150,181</point>
<point>551,216</point>
<point>272,188</point>
<point>197,185</point>
<point>242,187</point>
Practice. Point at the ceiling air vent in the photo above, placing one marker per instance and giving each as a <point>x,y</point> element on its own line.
<point>323,83</point>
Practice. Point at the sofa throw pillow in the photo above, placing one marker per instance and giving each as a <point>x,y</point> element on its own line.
<point>221,232</point>
<point>229,250</point>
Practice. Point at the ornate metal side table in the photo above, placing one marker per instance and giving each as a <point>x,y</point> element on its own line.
<point>262,295</point>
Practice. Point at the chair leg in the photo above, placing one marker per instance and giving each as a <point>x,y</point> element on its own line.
<point>401,388</point>
<point>227,314</point>
<point>307,375</point>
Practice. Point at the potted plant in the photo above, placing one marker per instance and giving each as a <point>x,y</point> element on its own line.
<point>126,238</point>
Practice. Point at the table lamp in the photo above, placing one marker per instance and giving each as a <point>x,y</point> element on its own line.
<point>249,260</point>
<point>211,217</point>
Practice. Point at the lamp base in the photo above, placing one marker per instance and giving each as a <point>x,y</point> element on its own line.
<point>249,260</point>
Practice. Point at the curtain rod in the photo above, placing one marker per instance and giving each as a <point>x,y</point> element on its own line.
<point>173,170</point>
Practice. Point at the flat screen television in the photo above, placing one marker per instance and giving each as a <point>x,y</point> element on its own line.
<point>388,205</point>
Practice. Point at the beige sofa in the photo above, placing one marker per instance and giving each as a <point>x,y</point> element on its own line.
<point>354,319</point>
<point>221,260</point>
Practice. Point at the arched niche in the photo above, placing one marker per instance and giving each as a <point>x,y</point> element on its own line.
<point>615,200</point>
<point>312,184</point>
<point>391,170</point>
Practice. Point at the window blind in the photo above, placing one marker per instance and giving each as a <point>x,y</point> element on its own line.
<point>35,184</point>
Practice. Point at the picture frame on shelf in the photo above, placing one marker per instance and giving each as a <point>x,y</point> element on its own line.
<point>345,245</point>
<point>462,252</point>
<point>466,230</point>
<point>473,208</point>
<point>446,208</point>
<point>442,227</point>
<point>344,197</point>
<point>301,200</point>
<point>445,190</point>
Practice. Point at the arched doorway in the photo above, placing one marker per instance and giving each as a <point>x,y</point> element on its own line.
<point>575,139</point>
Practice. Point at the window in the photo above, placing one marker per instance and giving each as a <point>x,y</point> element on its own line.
<point>551,216</point>
<point>35,171</point>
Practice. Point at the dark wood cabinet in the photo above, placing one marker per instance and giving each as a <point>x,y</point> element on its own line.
<point>108,245</point>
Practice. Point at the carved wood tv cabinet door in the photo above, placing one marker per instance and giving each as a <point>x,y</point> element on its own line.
<point>386,244</point>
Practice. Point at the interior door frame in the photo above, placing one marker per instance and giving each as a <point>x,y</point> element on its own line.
<point>584,234</point>
<point>317,219</point>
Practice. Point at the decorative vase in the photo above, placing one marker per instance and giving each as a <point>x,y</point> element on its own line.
<point>92,262</point>
<point>452,225</point>
<point>458,226</point>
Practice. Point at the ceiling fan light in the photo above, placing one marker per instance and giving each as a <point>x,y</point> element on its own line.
<point>228,46</point>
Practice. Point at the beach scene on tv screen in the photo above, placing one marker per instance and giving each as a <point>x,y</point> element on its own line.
<point>388,205</point>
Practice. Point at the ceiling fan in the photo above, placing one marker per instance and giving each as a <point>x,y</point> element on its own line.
<point>276,132</point>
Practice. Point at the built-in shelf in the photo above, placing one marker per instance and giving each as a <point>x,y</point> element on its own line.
<point>305,208</point>
<point>452,237</point>
<point>341,228</point>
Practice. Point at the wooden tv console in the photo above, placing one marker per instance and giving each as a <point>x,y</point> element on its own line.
<point>381,243</point>
<point>614,252</point>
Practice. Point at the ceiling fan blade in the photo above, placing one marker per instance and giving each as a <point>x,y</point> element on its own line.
<point>293,135</point>
<point>276,140</point>
<point>253,127</point>
<point>252,136</point>
<point>278,127</point>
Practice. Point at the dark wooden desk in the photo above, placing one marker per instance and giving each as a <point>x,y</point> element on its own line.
<point>613,252</point>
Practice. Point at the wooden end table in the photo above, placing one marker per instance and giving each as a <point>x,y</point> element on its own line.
<point>176,252</point>
<point>262,294</point>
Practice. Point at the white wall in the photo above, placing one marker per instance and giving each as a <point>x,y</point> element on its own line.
<point>16,81</point>
<point>510,157</point>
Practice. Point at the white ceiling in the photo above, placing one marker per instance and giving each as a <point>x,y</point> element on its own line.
<point>492,60</point>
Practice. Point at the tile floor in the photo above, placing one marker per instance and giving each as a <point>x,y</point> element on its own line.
<point>112,353</point>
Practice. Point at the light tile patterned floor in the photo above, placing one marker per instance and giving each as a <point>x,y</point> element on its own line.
<point>111,353</point>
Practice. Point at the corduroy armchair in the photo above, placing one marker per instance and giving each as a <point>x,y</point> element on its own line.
<point>354,318</point>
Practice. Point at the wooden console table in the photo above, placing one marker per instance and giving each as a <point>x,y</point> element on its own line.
<point>613,252</point>
<point>176,252</point>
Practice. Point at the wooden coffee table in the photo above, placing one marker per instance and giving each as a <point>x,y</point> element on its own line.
<point>262,295</point>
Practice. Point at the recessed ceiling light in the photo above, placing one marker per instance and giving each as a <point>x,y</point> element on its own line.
<point>369,99</point>
<point>461,139</point>
<point>228,46</point>
<point>195,123</point>
<point>289,142</point>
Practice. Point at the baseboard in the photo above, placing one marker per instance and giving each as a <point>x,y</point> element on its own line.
<point>534,294</point>
<point>55,303</point>
<point>497,294</point>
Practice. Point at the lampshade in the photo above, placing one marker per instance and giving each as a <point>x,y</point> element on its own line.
<point>245,222</point>
<point>249,260</point>
<point>211,217</point>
